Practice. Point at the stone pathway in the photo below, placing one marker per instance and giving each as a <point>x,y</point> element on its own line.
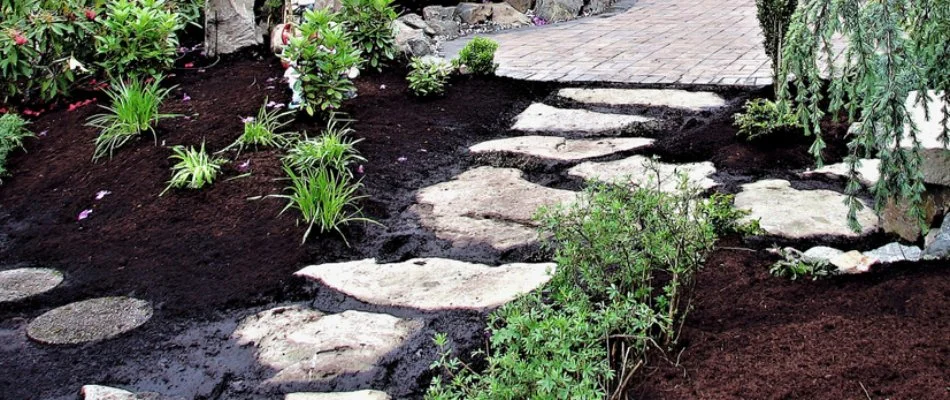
<point>698,42</point>
<point>21,283</point>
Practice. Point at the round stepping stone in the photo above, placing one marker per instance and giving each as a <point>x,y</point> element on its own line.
<point>431,283</point>
<point>792,213</point>
<point>18,284</point>
<point>98,392</point>
<point>304,345</point>
<point>486,206</point>
<point>560,149</point>
<point>89,320</point>
<point>868,173</point>
<point>672,98</point>
<point>358,395</point>
<point>638,171</point>
<point>544,118</point>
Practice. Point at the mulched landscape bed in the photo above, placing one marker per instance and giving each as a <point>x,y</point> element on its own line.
<point>197,255</point>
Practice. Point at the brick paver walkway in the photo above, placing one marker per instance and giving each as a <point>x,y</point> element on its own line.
<point>698,42</point>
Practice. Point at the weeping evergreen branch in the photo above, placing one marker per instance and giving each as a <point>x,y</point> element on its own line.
<point>886,50</point>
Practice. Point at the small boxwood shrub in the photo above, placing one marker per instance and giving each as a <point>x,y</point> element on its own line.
<point>762,117</point>
<point>370,25</point>
<point>478,56</point>
<point>138,38</point>
<point>428,78</point>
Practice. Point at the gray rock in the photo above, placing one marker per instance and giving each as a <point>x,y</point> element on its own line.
<point>446,29</point>
<point>895,219</point>
<point>358,395</point>
<point>672,98</point>
<point>443,20</point>
<point>819,254</point>
<point>89,320</point>
<point>521,5</point>
<point>559,149</point>
<point>505,15</point>
<point>474,13</point>
<point>868,171</point>
<point>302,345</point>
<point>540,117</point>
<point>412,42</point>
<point>895,252</point>
<point>644,171</point>
<point>98,392</point>
<point>558,10</point>
<point>792,213</point>
<point>486,206</point>
<point>936,158</point>
<point>18,284</point>
<point>230,26</point>
<point>939,247</point>
<point>431,283</point>
<point>415,21</point>
<point>596,6</point>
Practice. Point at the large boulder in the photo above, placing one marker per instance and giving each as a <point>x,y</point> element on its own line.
<point>596,6</point>
<point>412,42</point>
<point>521,5</point>
<point>443,20</point>
<point>558,10</point>
<point>474,13</point>
<point>505,15</point>
<point>935,201</point>
<point>230,26</point>
<point>936,165</point>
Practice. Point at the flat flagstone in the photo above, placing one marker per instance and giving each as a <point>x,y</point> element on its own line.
<point>99,392</point>
<point>638,170</point>
<point>868,171</point>
<point>305,345</point>
<point>792,213</point>
<point>670,98</point>
<point>431,283</point>
<point>18,284</point>
<point>558,148</point>
<point>89,320</point>
<point>486,206</point>
<point>358,395</point>
<point>546,119</point>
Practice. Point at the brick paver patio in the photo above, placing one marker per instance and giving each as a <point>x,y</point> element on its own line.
<point>698,42</point>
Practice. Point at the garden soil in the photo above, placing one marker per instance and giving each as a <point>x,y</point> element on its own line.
<point>202,257</point>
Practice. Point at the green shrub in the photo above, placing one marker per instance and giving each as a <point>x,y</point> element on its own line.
<point>792,267</point>
<point>41,45</point>
<point>12,133</point>
<point>725,218</point>
<point>262,131</point>
<point>762,117</point>
<point>195,169</point>
<point>191,11</point>
<point>325,57</point>
<point>775,16</point>
<point>325,198</point>
<point>428,78</point>
<point>478,56</point>
<point>332,150</point>
<point>626,264</point>
<point>138,38</point>
<point>370,25</point>
<point>133,111</point>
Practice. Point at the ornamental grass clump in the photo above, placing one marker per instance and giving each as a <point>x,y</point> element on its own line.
<point>333,150</point>
<point>12,134</point>
<point>325,198</point>
<point>195,169</point>
<point>133,110</point>
<point>262,131</point>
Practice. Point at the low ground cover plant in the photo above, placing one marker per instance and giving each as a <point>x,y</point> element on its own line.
<point>369,23</point>
<point>428,78</point>
<point>626,266</point>
<point>478,56</point>
<point>138,38</point>
<point>262,131</point>
<point>762,118</point>
<point>793,266</point>
<point>13,132</point>
<point>133,110</point>
<point>333,150</point>
<point>327,60</point>
<point>195,169</point>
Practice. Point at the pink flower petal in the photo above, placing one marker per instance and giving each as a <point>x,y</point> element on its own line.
<point>84,214</point>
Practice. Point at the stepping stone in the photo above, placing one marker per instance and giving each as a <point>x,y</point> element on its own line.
<point>637,171</point>
<point>431,283</point>
<point>359,395</point>
<point>792,213</point>
<point>486,206</point>
<point>671,98</point>
<point>895,252</point>
<point>304,345</point>
<point>98,392</point>
<point>89,320</point>
<point>544,118</point>
<point>560,149</point>
<point>18,284</point>
<point>868,173</point>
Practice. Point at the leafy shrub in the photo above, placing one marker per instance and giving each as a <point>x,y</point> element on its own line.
<point>190,11</point>
<point>133,111</point>
<point>325,57</point>
<point>12,133</point>
<point>195,169</point>
<point>764,117</point>
<point>262,131</point>
<point>725,218</point>
<point>792,267</point>
<point>605,306</point>
<point>428,78</point>
<point>370,25</point>
<point>324,197</point>
<point>40,42</point>
<point>332,150</point>
<point>478,56</point>
<point>775,16</point>
<point>138,38</point>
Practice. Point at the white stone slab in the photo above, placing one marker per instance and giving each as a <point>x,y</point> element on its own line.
<point>560,149</point>
<point>672,98</point>
<point>546,119</point>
